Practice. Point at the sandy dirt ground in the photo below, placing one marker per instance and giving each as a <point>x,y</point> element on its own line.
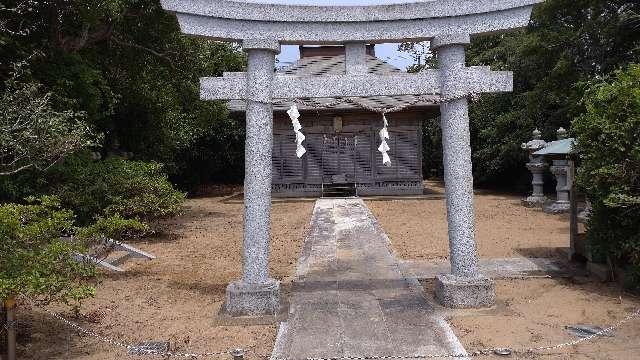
<point>535,312</point>
<point>418,228</point>
<point>530,313</point>
<point>177,296</point>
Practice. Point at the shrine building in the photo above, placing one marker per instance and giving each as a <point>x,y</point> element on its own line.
<point>342,139</point>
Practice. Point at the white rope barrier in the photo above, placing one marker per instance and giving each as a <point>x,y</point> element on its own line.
<point>432,98</point>
<point>476,353</point>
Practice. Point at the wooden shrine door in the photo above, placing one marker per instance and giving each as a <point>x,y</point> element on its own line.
<point>339,158</point>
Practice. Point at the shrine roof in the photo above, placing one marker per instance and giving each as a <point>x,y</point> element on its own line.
<point>558,147</point>
<point>335,65</point>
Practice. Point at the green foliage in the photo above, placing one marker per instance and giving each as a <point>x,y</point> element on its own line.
<point>34,261</point>
<point>128,68</point>
<point>422,56</point>
<point>432,148</point>
<point>609,171</point>
<point>114,227</point>
<point>567,43</point>
<point>78,85</point>
<point>33,135</point>
<point>120,68</point>
<point>216,157</point>
<point>115,186</point>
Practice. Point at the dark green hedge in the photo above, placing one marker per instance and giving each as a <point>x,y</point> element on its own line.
<point>608,136</point>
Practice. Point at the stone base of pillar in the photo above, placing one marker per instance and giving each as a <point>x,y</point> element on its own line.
<point>557,207</point>
<point>534,201</point>
<point>464,292</point>
<point>252,299</point>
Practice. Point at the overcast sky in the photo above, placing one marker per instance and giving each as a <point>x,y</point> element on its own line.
<point>387,52</point>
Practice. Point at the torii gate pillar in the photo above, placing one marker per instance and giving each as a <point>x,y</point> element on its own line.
<point>256,293</point>
<point>465,286</point>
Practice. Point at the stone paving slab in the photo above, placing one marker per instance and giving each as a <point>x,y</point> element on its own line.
<point>351,296</point>
<point>508,268</point>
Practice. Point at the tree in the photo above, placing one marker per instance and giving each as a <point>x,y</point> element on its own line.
<point>32,134</point>
<point>115,187</point>
<point>128,68</point>
<point>421,54</point>
<point>609,171</point>
<point>35,262</point>
<point>9,17</point>
<point>567,43</point>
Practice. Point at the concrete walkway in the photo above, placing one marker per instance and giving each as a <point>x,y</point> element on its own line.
<point>351,297</point>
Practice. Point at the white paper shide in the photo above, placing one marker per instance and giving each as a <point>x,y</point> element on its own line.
<point>294,114</point>
<point>384,146</point>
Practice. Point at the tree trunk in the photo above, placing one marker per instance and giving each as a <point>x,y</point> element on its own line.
<point>3,332</point>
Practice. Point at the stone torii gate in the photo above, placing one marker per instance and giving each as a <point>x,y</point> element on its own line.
<point>263,28</point>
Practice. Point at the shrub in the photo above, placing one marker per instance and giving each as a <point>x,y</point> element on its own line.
<point>115,227</point>
<point>34,260</point>
<point>129,189</point>
<point>609,172</point>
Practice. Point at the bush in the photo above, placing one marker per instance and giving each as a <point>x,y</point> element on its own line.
<point>116,187</point>
<point>609,172</point>
<point>115,227</point>
<point>34,261</point>
<point>432,149</point>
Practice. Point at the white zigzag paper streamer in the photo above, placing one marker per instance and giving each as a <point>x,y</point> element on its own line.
<point>384,147</point>
<point>294,114</point>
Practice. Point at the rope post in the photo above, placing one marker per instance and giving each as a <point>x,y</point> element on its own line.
<point>238,354</point>
<point>3,330</point>
<point>10,307</point>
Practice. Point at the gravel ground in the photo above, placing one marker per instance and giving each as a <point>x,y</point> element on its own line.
<point>176,297</point>
<point>504,228</point>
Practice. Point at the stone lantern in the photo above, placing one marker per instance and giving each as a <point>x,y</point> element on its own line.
<point>560,169</point>
<point>561,133</point>
<point>583,216</point>
<point>536,166</point>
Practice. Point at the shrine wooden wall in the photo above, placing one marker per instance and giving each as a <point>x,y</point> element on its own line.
<point>346,151</point>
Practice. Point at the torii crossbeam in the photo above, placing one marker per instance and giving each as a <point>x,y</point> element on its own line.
<point>263,28</point>
<point>475,80</point>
